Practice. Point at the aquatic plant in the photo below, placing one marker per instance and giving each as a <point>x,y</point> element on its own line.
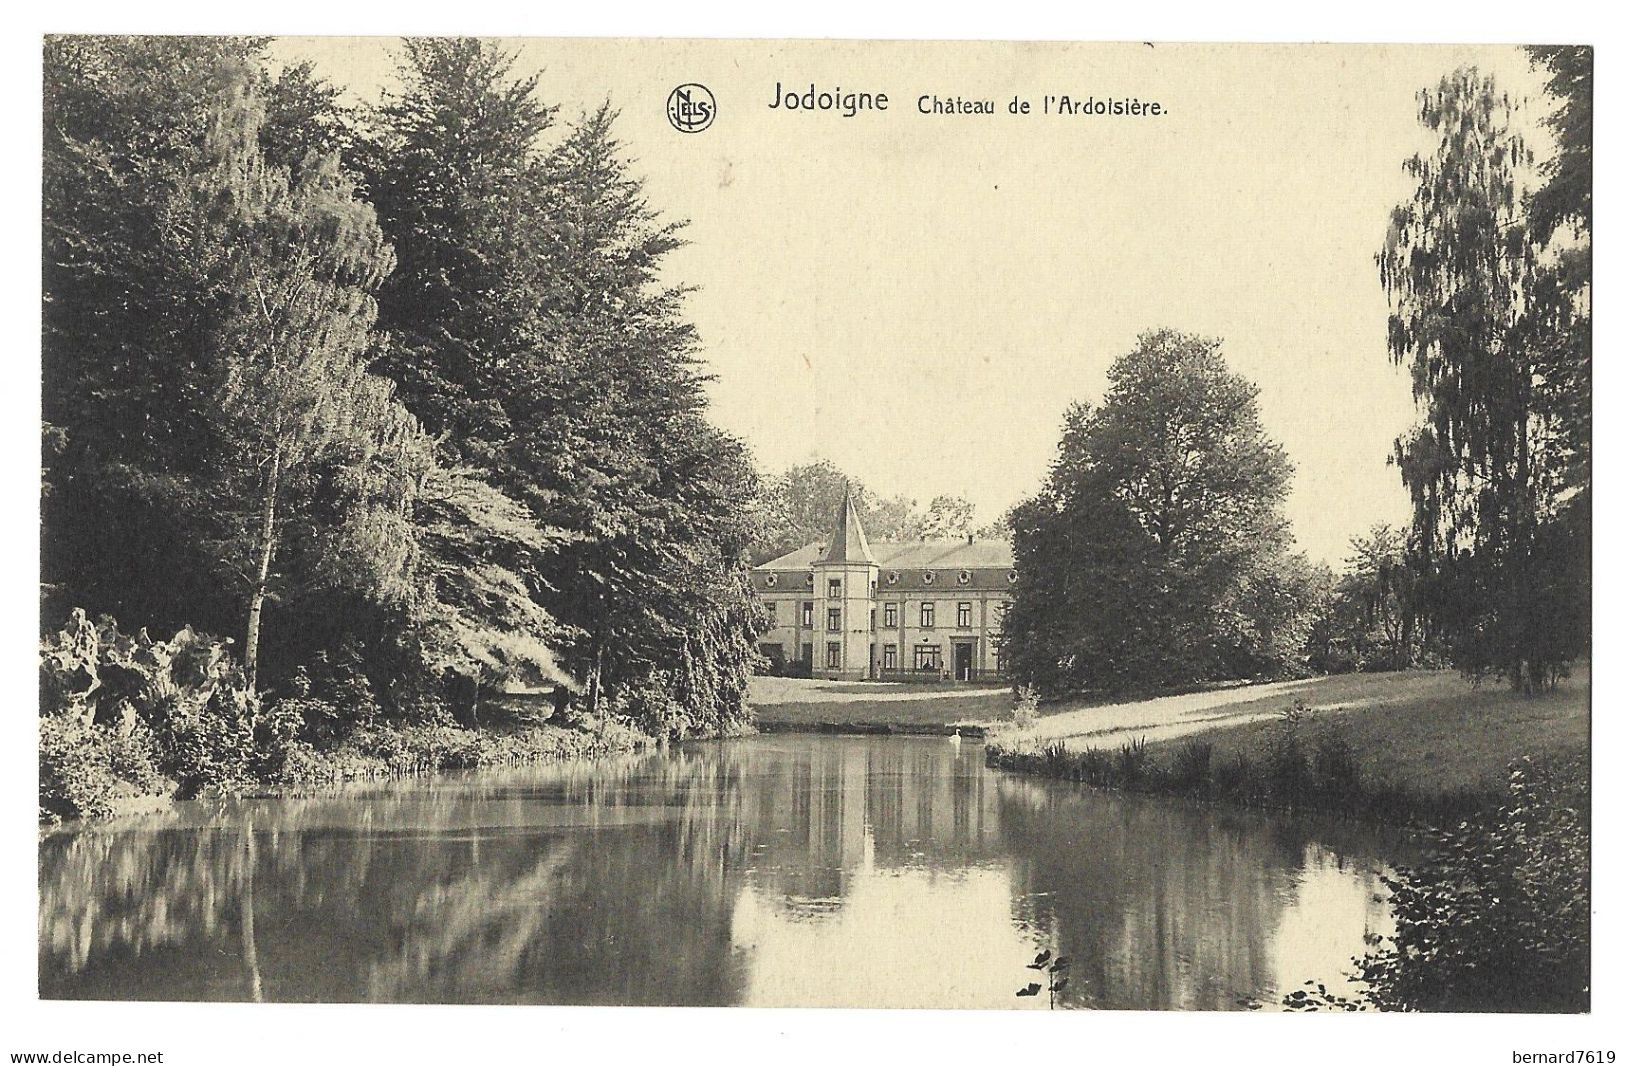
<point>1192,761</point>
<point>1054,974</point>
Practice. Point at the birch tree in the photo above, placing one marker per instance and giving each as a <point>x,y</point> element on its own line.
<point>1488,467</point>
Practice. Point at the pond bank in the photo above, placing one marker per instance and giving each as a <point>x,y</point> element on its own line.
<point>814,705</point>
<point>862,728</point>
<point>1406,746</point>
<point>372,753</point>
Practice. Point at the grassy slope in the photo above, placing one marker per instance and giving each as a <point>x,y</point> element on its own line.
<point>1426,730</point>
<point>1443,738</point>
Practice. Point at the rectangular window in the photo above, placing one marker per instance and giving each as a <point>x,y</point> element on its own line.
<point>832,655</point>
<point>834,620</point>
<point>806,654</point>
<point>891,616</point>
<point>834,588</point>
<point>928,616</point>
<point>962,619</point>
<point>806,613</point>
<point>888,657</point>
<point>927,657</point>
<point>772,614</point>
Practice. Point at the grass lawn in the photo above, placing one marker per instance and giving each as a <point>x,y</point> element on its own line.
<point>1439,734</point>
<point>861,706</point>
<point>1427,731</point>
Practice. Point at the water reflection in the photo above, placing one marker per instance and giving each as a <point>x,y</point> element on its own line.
<point>779,870</point>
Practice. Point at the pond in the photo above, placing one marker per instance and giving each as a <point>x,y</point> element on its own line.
<point>778,870</point>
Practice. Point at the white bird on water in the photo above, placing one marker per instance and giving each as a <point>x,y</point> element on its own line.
<point>954,740</point>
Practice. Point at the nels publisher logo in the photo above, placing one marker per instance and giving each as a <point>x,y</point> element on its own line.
<point>691,108</point>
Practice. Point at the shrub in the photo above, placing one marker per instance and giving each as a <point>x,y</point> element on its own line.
<point>130,756</point>
<point>1498,916</point>
<point>85,769</point>
<point>76,779</point>
<point>209,746</point>
<point>1096,767</point>
<point>137,709</point>
<point>1234,779</point>
<point>1024,713</point>
<point>1337,769</point>
<point>1288,774</point>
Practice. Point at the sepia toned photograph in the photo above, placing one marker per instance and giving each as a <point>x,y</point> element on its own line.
<point>654,522</point>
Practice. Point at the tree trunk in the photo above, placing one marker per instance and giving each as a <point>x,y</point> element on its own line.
<point>595,679</point>
<point>262,572</point>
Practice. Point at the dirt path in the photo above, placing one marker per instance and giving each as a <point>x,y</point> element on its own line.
<point>1167,717</point>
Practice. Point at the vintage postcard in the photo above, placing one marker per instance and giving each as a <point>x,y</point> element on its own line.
<point>655,522</point>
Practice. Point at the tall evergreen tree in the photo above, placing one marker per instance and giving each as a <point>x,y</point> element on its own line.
<point>536,334</point>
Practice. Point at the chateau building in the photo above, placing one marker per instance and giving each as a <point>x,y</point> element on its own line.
<point>848,609</point>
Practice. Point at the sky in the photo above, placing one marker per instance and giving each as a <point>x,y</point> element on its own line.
<point>918,298</point>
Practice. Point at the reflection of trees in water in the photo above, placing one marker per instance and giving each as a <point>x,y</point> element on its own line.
<point>451,891</point>
<point>1160,904</point>
<point>133,893</point>
<point>617,881</point>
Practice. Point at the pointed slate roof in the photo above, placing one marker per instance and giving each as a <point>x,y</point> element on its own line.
<point>847,544</point>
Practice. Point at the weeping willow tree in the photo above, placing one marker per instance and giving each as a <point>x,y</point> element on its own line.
<point>1469,285</point>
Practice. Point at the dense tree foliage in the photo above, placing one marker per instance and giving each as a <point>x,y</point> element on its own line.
<point>948,518</point>
<point>1372,617</point>
<point>393,397</point>
<point>1156,553</point>
<point>799,507</point>
<point>220,440</point>
<point>1489,284</point>
<point>532,330</point>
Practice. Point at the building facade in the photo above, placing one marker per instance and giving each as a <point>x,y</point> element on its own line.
<point>894,609</point>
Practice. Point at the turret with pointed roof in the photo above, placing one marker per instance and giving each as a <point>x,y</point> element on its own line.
<point>847,544</point>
